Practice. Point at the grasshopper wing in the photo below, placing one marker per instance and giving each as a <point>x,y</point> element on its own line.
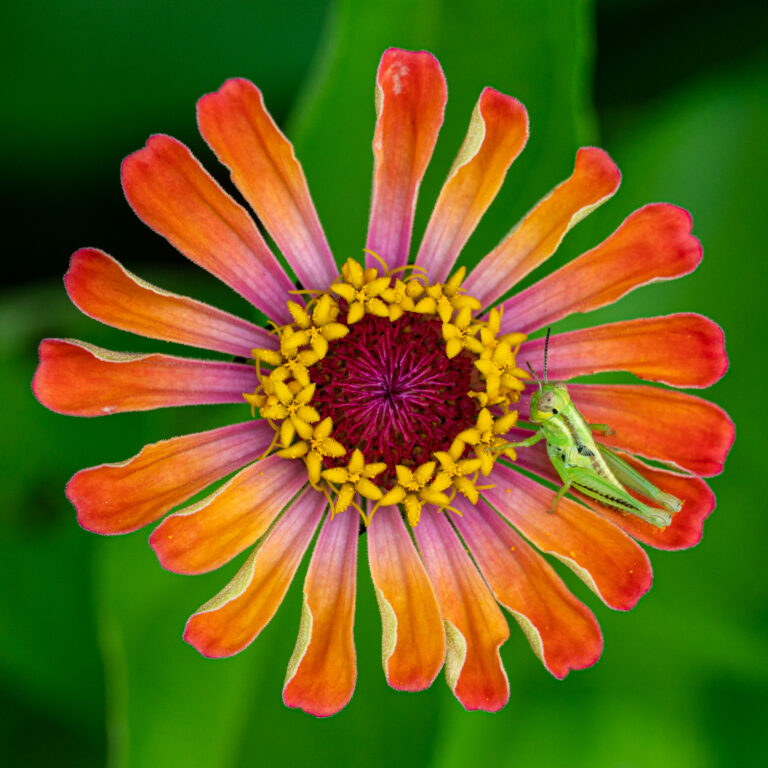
<point>633,480</point>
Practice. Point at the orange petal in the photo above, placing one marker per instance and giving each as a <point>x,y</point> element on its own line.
<point>652,244</point>
<point>474,625</point>
<point>172,193</point>
<point>604,557</point>
<point>562,631</point>
<point>595,178</point>
<point>410,101</point>
<point>684,350</point>
<point>103,289</point>
<point>497,134</point>
<point>413,637</point>
<point>233,619</point>
<point>81,379</point>
<point>322,670</point>
<point>687,525</point>
<point>211,532</point>
<point>241,132</point>
<point>660,424</point>
<point>118,498</point>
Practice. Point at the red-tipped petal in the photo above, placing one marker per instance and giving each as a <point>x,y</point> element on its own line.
<point>595,178</point>
<point>237,126</point>
<point>653,243</point>
<point>103,289</point>
<point>497,134</point>
<point>475,626</point>
<point>119,498</point>
<point>410,101</point>
<point>211,532</point>
<point>684,350</point>
<point>604,557</point>
<point>413,638</point>
<point>562,631</point>
<point>172,193</point>
<point>322,670</point>
<point>687,525</point>
<point>232,619</point>
<point>659,424</point>
<point>81,379</point>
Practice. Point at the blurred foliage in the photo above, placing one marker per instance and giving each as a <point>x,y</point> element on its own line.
<point>92,666</point>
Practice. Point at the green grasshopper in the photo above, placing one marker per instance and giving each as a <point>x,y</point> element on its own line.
<point>594,470</point>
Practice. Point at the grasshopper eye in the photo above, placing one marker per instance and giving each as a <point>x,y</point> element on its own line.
<point>547,401</point>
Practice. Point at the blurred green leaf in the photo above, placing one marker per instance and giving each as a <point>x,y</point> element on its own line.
<point>93,75</point>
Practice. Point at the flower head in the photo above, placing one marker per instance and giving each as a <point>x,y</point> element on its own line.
<point>385,395</point>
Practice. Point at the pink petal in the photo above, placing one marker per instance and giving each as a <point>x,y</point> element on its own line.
<point>410,101</point>
<point>103,289</point>
<point>211,532</point>
<point>81,379</point>
<point>654,243</point>
<point>687,525</point>
<point>684,350</point>
<point>119,498</point>
<point>322,671</point>
<point>474,625</point>
<point>595,178</point>
<point>172,193</point>
<point>604,557</point>
<point>413,637</point>
<point>233,619</point>
<point>237,126</point>
<point>562,631</point>
<point>497,134</point>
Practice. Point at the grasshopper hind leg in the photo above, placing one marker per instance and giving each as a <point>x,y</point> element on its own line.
<point>559,495</point>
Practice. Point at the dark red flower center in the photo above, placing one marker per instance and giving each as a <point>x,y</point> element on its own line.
<point>392,392</point>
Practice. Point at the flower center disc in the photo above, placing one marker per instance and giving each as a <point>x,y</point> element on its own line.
<point>392,392</point>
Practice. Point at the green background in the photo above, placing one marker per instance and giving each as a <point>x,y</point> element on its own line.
<point>93,670</point>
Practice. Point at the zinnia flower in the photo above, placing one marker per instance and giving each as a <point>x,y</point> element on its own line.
<point>387,393</point>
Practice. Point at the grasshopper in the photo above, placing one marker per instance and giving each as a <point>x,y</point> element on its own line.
<point>594,470</point>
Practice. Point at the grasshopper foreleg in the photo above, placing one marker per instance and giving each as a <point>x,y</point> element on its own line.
<point>527,443</point>
<point>603,429</point>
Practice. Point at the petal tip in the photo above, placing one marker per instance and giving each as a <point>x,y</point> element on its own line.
<point>597,161</point>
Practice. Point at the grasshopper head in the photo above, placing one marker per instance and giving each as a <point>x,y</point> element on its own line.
<point>550,400</point>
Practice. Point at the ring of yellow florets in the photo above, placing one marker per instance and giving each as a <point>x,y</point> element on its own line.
<point>285,390</point>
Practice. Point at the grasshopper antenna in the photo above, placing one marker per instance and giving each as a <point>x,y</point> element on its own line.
<point>530,368</point>
<point>546,351</point>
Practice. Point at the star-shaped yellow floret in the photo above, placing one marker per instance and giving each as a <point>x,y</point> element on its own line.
<point>455,469</point>
<point>416,488</point>
<point>314,449</point>
<point>489,334</point>
<point>262,396</point>
<point>290,361</point>
<point>486,438</point>
<point>460,334</point>
<point>320,327</point>
<point>291,406</point>
<point>361,290</point>
<point>354,478</point>
<point>499,370</point>
<point>401,297</point>
<point>445,298</point>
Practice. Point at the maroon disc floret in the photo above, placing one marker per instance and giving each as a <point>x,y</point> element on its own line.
<point>392,392</point>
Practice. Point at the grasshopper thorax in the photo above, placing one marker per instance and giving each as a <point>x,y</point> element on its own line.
<point>550,400</point>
